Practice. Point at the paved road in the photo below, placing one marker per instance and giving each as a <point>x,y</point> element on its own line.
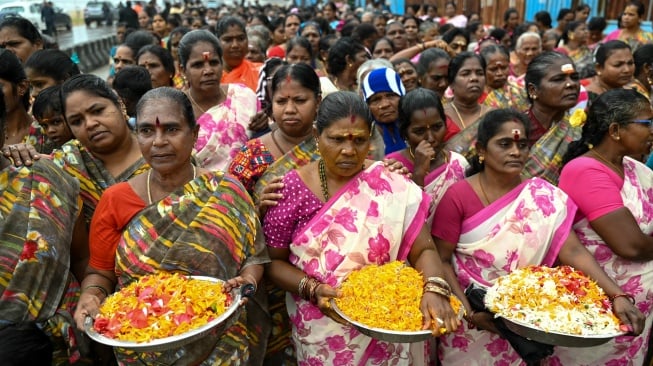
<point>81,34</point>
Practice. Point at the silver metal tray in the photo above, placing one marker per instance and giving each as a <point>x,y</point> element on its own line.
<point>216,326</point>
<point>556,338</point>
<point>387,335</point>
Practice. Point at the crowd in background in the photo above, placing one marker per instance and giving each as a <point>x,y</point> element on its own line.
<point>286,147</point>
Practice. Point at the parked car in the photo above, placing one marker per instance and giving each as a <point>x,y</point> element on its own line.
<point>31,10</point>
<point>94,12</point>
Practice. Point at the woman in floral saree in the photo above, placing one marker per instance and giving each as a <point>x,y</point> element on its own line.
<point>494,222</point>
<point>43,242</point>
<point>614,221</point>
<point>178,218</point>
<point>422,125</point>
<point>322,229</point>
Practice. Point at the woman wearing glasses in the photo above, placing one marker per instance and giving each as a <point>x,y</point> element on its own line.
<point>615,210</point>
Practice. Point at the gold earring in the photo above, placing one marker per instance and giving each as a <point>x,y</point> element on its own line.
<point>481,159</point>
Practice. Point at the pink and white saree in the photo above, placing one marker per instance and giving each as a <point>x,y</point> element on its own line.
<point>527,226</point>
<point>439,180</point>
<point>635,278</point>
<point>375,218</point>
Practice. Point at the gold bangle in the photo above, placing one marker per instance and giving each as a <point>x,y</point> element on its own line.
<point>437,290</point>
<point>439,281</point>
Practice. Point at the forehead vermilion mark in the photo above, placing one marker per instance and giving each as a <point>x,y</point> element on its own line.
<point>424,112</point>
<point>157,123</point>
<point>288,80</point>
<point>443,67</point>
<point>352,119</point>
<point>206,55</point>
<point>567,68</point>
<point>516,134</point>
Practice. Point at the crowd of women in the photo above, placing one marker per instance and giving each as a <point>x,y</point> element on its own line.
<point>284,150</point>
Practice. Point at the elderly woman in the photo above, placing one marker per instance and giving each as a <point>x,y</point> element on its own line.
<point>345,184</point>
<point>20,37</point>
<point>614,216</point>
<point>527,47</point>
<point>19,125</point>
<point>382,89</point>
<point>574,45</point>
<point>500,93</point>
<point>615,68</point>
<point>173,196</point>
<point>44,244</point>
<point>422,125</point>
<point>631,30</point>
<point>159,64</point>
<point>474,231</point>
<point>466,76</point>
<point>223,111</point>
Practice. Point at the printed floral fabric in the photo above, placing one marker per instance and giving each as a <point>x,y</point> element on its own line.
<point>38,210</point>
<point>250,163</point>
<point>375,218</point>
<point>634,277</point>
<point>510,96</point>
<point>642,38</point>
<point>526,226</point>
<point>223,128</point>
<point>440,179</point>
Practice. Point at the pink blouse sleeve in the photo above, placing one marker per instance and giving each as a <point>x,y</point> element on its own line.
<point>594,187</point>
<point>458,203</point>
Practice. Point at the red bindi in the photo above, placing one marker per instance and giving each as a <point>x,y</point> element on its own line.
<point>206,55</point>
<point>516,134</point>
<point>352,119</point>
<point>288,80</point>
<point>157,122</point>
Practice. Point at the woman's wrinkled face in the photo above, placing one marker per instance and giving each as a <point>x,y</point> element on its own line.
<point>164,135</point>
<point>408,75</point>
<point>203,70</point>
<point>426,125</point>
<point>397,34</point>
<point>158,74</point>
<point>20,46</point>
<point>497,70</point>
<point>559,88</point>
<point>294,108</point>
<point>618,69</point>
<point>38,81</point>
<point>124,57</point>
<point>384,107</point>
<point>470,79</point>
<point>254,53</point>
<point>344,146</point>
<point>580,34</point>
<point>507,151</point>
<point>530,48</point>
<point>96,122</point>
<point>382,49</point>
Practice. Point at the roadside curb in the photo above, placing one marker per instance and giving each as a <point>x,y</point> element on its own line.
<point>92,54</point>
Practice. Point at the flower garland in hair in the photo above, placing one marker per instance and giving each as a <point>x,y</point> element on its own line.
<point>578,118</point>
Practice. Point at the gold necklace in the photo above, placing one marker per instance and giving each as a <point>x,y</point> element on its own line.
<point>149,174</point>
<point>619,170</point>
<point>462,121</point>
<point>480,183</point>
<point>276,143</point>
<point>323,179</point>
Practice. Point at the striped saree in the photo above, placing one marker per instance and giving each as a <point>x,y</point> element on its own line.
<point>208,227</point>
<point>94,179</point>
<point>38,210</point>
